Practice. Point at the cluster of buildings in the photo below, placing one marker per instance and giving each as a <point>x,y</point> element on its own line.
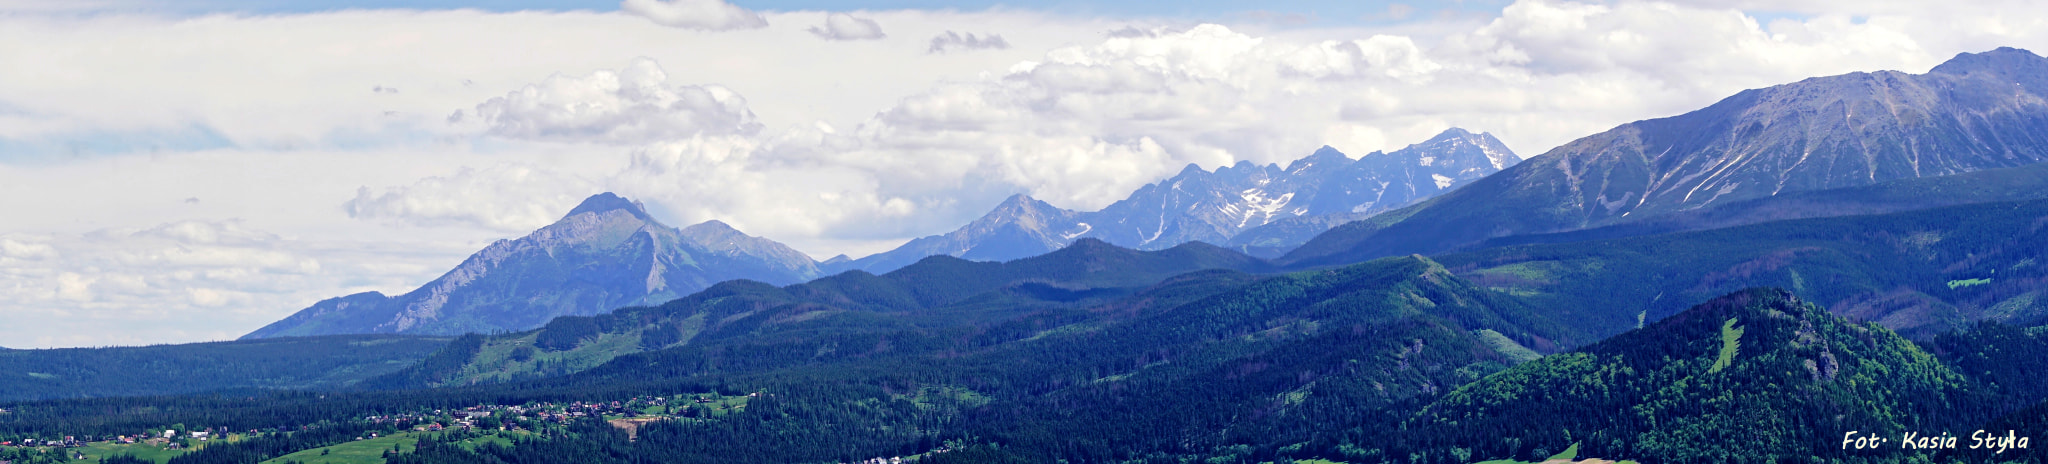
<point>899,459</point>
<point>507,417</point>
<point>169,438</point>
<point>66,442</point>
<point>511,417</point>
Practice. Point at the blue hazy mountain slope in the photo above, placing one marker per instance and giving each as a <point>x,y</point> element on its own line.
<point>1976,111</point>
<point>606,253</point>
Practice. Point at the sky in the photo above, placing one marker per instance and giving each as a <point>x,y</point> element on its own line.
<point>189,171</point>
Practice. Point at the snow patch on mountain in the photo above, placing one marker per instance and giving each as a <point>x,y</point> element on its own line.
<point>1084,229</point>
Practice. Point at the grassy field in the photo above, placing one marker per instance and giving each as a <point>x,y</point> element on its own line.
<point>1731,340</point>
<point>1954,284</point>
<point>100,450</point>
<point>718,407</point>
<point>495,363</point>
<point>931,396</point>
<point>1568,456</point>
<point>371,451</point>
<point>1507,346</point>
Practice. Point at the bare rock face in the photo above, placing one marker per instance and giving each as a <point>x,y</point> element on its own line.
<point>606,253</point>
<point>1977,111</point>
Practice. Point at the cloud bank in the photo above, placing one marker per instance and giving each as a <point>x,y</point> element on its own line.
<point>955,41</point>
<point>632,105</point>
<point>842,26</point>
<point>177,282</point>
<point>704,15</point>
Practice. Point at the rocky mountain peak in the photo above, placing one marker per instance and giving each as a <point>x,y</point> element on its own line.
<point>1460,143</point>
<point>2005,62</point>
<point>712,232</point>
<point>1017,201</point>
<point>1022,209</point>
<point>1325,156</point>
<point>1496,152</point>
<point>1455,132</point>
<point>606,202</point>
<point>711,227</point>
<point>592,261</point>
<point>751,252</point>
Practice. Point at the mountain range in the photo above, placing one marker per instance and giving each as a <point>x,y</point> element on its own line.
<point>609,253</point>
<point>1259,210</point>
<point>1818,140</point>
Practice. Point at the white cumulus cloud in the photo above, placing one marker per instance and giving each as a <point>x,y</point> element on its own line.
<point>11,250</point>
<point>952,40</point>
<point>183,281</point>
<point>1380,55</point>
<point>842,26</point>
<point>631,105</point>
<point>707,15</point>
<point>511,198</point>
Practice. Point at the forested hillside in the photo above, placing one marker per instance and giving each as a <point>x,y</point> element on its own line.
<point>940,292</point>
<point>1199,362</point>
<point>1757,375</point>
<point>290,363</point>
<point>1396,358</point>
<point>1920,272</point>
